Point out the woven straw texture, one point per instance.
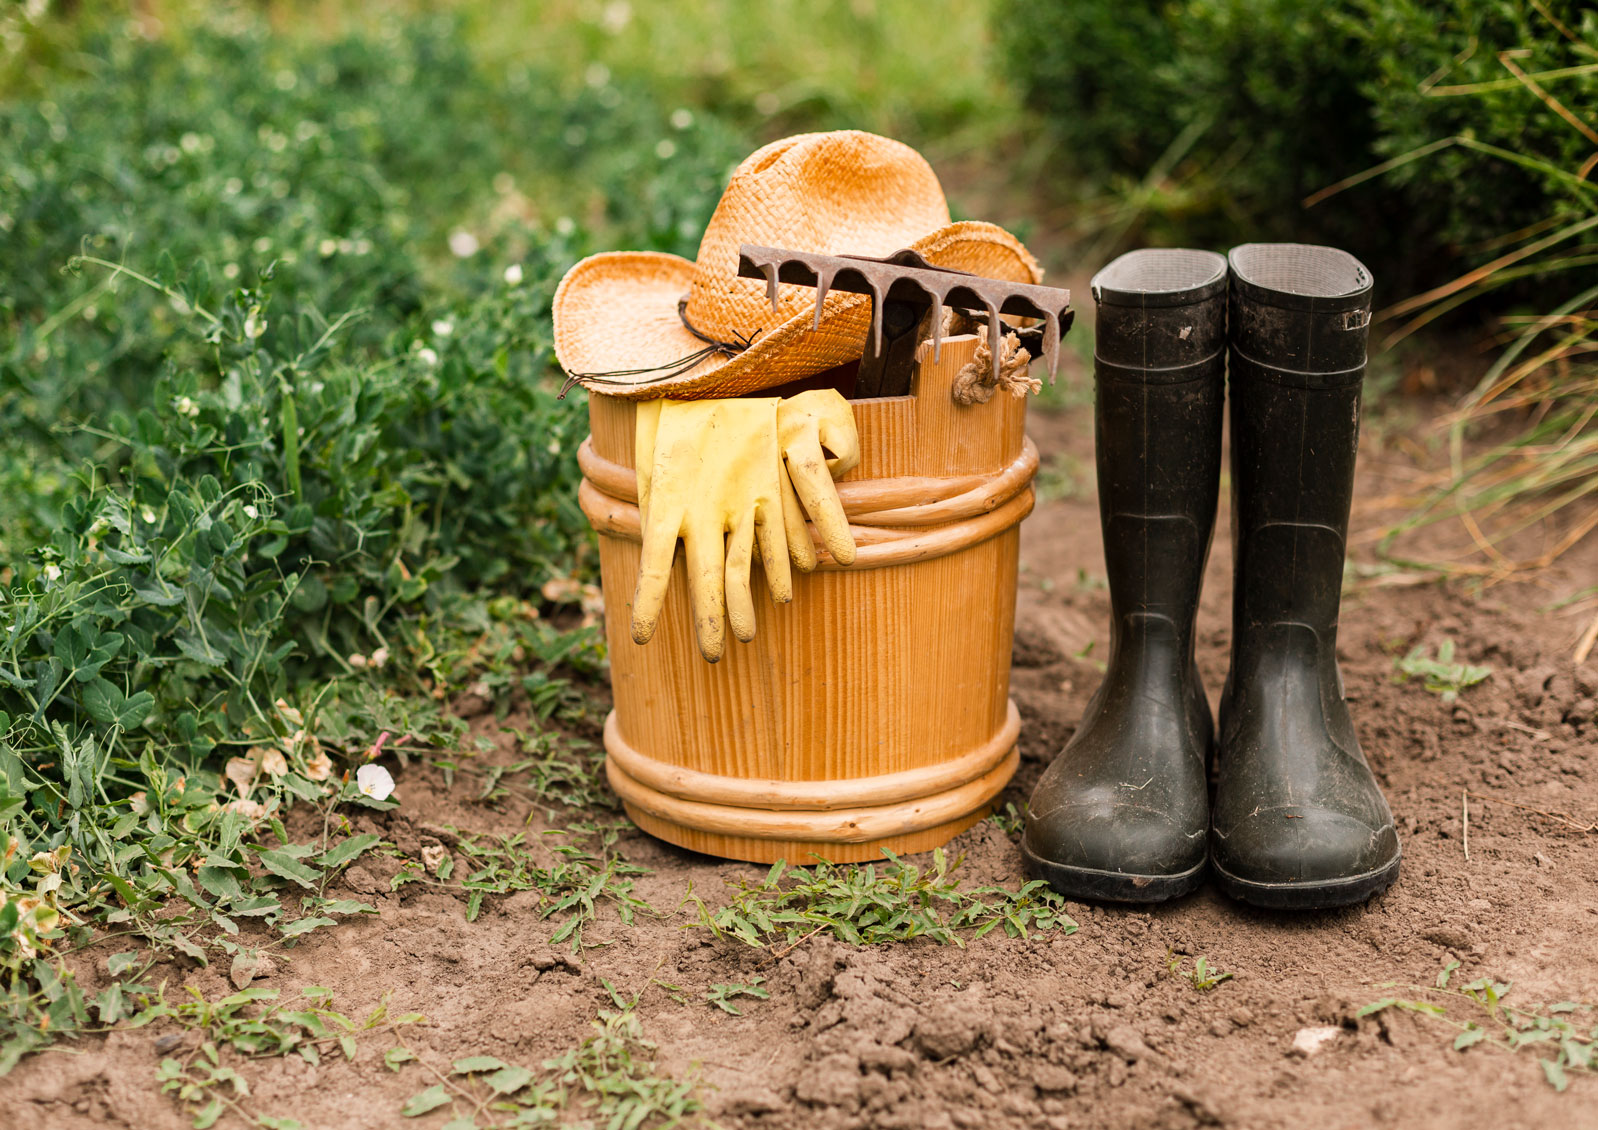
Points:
(843, 193)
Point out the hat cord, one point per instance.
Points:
(681, 365)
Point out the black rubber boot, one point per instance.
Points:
(1299, 820)
(1123, 811)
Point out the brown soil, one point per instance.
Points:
(1056, 1031)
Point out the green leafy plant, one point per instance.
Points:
(1567, 1031)
(868, 906)
(608, 1079)
(1442, 676)
(583, 873)
(1203, 975)
(249, 1025)
(1010, 820)
(721, 996)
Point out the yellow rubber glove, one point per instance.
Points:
(809, 426)
(710, 473)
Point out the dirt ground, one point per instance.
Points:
(1086, 1030)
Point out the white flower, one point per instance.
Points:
(428, 356)
(380, 657)
(462, 244)
(254, 324)
(187, 407)
(443, 328)
(682, 118)
(230, 271)
(565, 225)
(327, 247)
(513, 274)
(52, 572)
(374, 781)
(148, 515)
(665, 149)
(251, 512)
(356, 660)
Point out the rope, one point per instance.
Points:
(975, 382)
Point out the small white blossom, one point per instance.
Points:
(251, 512)
(357, 660)
(565, 225)
(262, 244)
(462, 244)
(374, 781)
(187, 407)
(665, 149)
(254, 324)
(682, 118)
(52, 572)
(327, 248)
(443, 328)
(428, 356)
(380, 657)
(513, 274)
(148, 515)
(230, 271)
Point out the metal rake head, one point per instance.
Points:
(906, 277)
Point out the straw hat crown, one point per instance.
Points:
(618, 326)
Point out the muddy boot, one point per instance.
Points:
(1122, 813)
(1299, 820)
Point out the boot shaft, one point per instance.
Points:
(1159, 366)
(1299, 321)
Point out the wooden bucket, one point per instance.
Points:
(872, 712)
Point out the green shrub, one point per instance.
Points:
(1254, 105)
(1440, 74)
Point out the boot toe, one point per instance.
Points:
(1126, 843)
(1305, 848)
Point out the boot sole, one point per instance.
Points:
(1309, 896)
(1112, 886)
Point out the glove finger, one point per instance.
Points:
(645, 428)
(740, 559)
(705, 551)
(771, 534)
(839, 436)
(801, 549)
(813, 483)
(654, 577)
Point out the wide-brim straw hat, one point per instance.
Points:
(630, 323)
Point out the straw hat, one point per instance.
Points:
(625, 321)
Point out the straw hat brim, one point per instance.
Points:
(618, 310)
